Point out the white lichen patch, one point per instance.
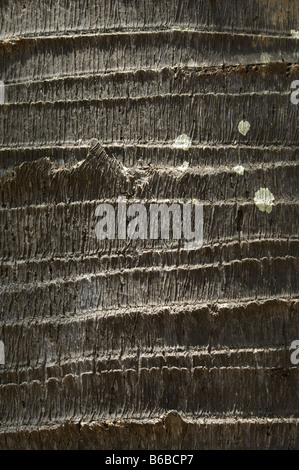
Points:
(183, 167)
(182, 142)
(294, 34)
(243, 127)
(264, 200)
(239, 169)
(182, 170)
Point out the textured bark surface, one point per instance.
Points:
(146, 346)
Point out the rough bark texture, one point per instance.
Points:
(146, 346)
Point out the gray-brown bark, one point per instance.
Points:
(146, 346)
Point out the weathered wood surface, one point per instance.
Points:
(147, 347)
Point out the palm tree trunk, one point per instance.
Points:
(123, 346)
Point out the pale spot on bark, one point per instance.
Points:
(239, 169)
(294, 33)
(183, 167)
(243, 127)
(182, 142)
(264, 200)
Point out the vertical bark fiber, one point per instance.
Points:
(119, 346)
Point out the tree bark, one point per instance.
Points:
(146, 346)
